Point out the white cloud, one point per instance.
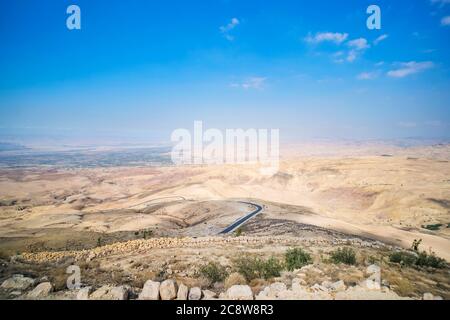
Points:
(410, 68)
(379, 64)
(380, 38)
(319, 37)
(227, 28)
(445, 21)
(251, 83)
(433, 123)
(367, 75)
(359, 44)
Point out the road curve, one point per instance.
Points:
(244, 219)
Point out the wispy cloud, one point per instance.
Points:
(380, 38)
(319, 37)
(367, 75)
(251, 83)
(227, 28)
(359, 44)
(410, 68)
(445, 21)
(356, 47)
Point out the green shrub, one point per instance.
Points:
(433, 227)
(344, 255)
(422, 259)
(238, 232)
(214, 272)
(255, 268)
(430, 260)
(271, 268)
(296, 259)
(404, 258)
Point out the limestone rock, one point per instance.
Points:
(150, 291)
(240, 292)
(42, 290)
(111, 293)
(183, 292)
(195, 293)
(168, 290)
(17, 282)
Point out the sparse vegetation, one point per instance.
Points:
(297, 258)
(256, 268)
(238, 232)
(417, 259)
(403, 258)
(433, 227)
(344, 255)
(214, 272)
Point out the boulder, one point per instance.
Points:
(111, 293)
(17, 282)
(150, 291)
(240, 292)
(42, 290)
(371, 284)
(338, 286)
(168, 290)
(195, 293)
(183, 292)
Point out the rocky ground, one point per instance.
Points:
(168, 268)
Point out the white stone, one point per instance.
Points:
(195, 293)
(168, 290)
(17, 282)
(240, 292)
(183, 292)
(42, 290)
(150, 291)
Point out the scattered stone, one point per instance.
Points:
(42, 290)
(111, 293)
(150, 291)
(430, 296)
(17, 282)
(195, 293)
(168, 290)
(240, 292)
(183, 292)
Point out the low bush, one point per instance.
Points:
(255, 268)
(296, 258)
(214, 272)
(417, 260)
(344, 255)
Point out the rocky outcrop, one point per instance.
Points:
(17, 282)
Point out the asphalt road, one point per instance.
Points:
(244, 219)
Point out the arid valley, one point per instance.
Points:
(124, 225)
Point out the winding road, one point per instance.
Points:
(244, 219)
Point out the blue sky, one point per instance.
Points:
(144, 68)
